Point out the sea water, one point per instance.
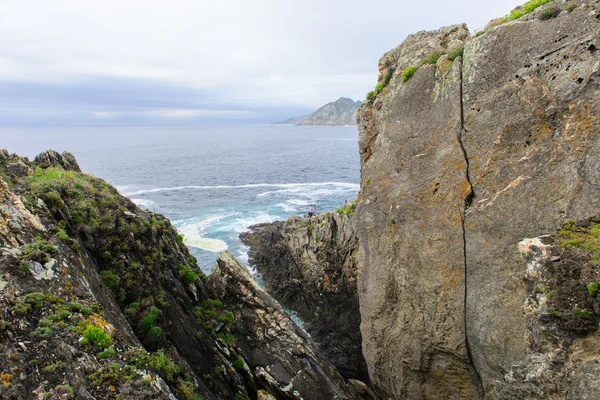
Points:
(213, 183)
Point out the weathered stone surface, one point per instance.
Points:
(441, 284)
(52, 158)
(411, 278)
(280, 355)
(309, 265)
(531, 92)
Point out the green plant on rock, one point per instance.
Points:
(42, 332)
(584, 237)
(148, 324)
(571, 7)
(108, 353)
(111, 280)
(549, 12)
(592, 289)
(433, 57)
(371, 95)
(458, 52)
(582, 313)
(408, 73)
(187, 275)
(97, 336)
(239, 362)
(378, 88)
(523, 10)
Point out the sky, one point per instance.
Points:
(188, 62)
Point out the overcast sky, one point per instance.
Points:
(105, 62)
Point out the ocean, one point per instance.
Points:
(212, 182)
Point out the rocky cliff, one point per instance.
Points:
(470, 145)
(100, 299)
(339, 112)
(309, 265)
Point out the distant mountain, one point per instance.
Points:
(339, 112)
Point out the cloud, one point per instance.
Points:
(254, 59)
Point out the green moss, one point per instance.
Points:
(571, 7)
(553, 312)
(408, 73)
(480, 33)
(592, 289)
(525, 9)
(62, 235)
(583, 237)
(52, 367)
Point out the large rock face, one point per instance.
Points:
(309, 265)
(460, 163)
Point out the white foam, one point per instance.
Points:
(291, 186)
(286, 207)
(314, 192)
(144, 203)
(243, 223)
(208, 244)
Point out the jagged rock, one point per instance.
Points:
(130, 278)
(293, 365)
(441, 280)
(309, 265)
(53, 158)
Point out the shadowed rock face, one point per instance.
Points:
(309, 265)
(459, 164)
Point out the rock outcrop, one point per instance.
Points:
(339, 112)
(100, 299)
(309, 265)
(462, 160)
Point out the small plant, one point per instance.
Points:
(108, 353)
(239, 362)
(187, 275)
(433, 57)
(149, 320)
(554, 313)
(571, 7)
(111, 280)
(52, 367)
(63, 392)
(368, 181)
(179, 238)
(370, 95)
(525, 9)
(480, 33)
(378, 88)
(592, 289)
(458, 52)
(62, 235)
(96, 336)
(582, 313)
(549, 12)
(408, 73)
(25, 268)
(42, 332)
(387, 78)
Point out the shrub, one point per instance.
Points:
(408, 73)
(109, 278)
(96, 336)
(458, 52)
(179, 238)
(433, 57)
(187, 275)
(108, 353)
(149, 320)
(62, 235)
(387, 78)
(378, 88)
(371, 95)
